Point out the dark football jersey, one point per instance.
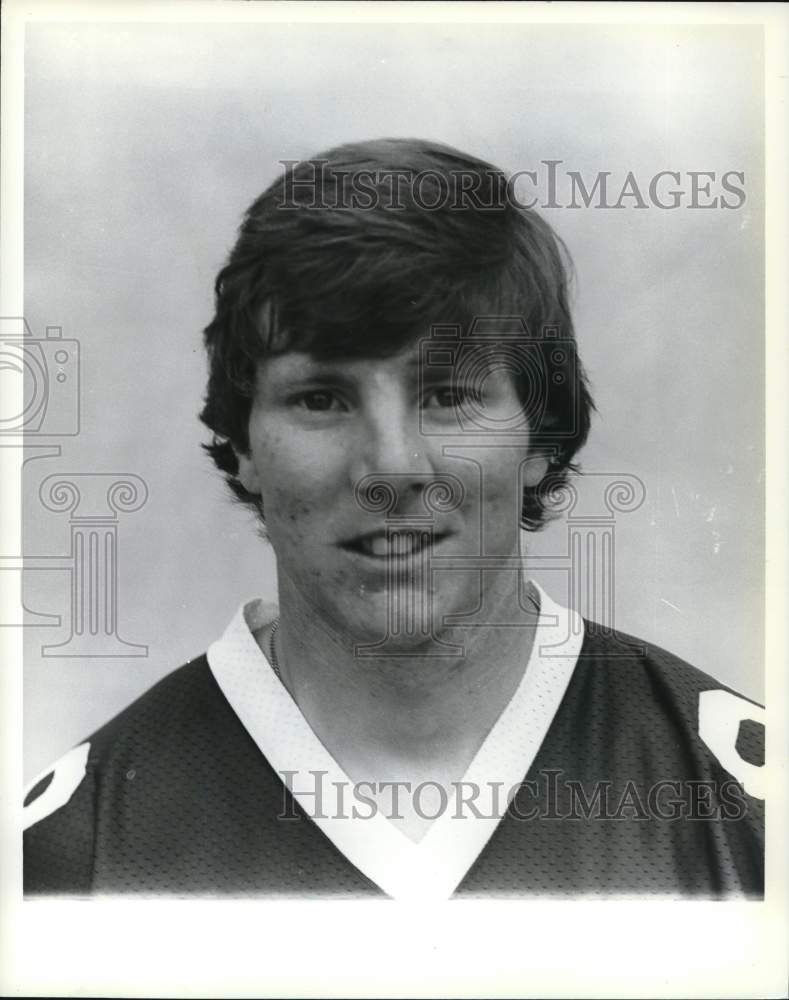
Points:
(647, 782)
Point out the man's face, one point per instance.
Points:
(320, 429)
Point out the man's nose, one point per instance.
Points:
(394, 448)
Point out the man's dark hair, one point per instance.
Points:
(365, 249)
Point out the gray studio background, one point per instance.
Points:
(144, 144)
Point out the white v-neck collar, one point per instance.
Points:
(432, 868)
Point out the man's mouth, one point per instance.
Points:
(394, 544)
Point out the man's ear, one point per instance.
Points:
(535, 469)
(247, 473)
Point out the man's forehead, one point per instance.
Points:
(304, 362)
(424, 354)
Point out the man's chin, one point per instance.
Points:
(395, 624)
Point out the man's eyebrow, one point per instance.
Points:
(439, 373)
(316, 375)
(428, 369)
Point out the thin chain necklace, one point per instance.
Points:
(272, 651)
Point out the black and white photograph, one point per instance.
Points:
(389, 478)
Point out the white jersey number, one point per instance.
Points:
(67, 773)
(720, 715)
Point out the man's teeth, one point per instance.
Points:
(395, 545)
(380, 546)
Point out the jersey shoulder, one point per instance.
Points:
(164, 727)
(177, 708)
(628, 658)
(666, 698)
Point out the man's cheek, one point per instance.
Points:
(289, 519)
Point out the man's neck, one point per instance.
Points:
(408, 717)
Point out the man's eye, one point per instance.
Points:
(450, 396)
(319, 401)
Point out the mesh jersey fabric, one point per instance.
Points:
(430, 868)
(623, 797)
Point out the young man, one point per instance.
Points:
(395, 389)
